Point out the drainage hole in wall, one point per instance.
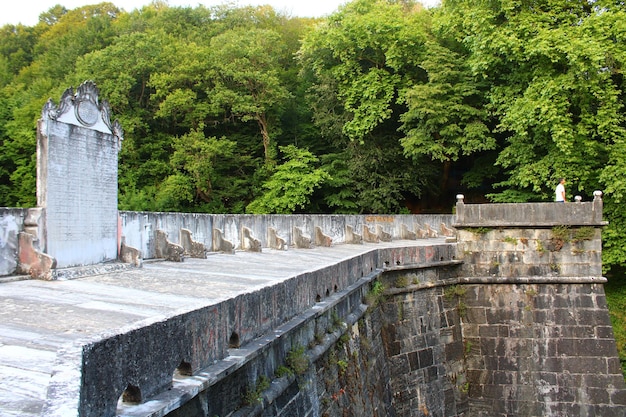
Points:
(233, 342)
(131, 395)
(183, 370)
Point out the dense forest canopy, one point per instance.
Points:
(382, 107)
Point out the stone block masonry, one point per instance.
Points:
(506, 316)
(422, 338)
(549, 240)
(559, 251)
(340, 357)
(541, 350)
(535, 325)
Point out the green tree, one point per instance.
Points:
(365, 55)
(208, 176)
(556, 89)
(550, 67)
(361, 62)
(446, 117)
(16, 49)
(290, 187)
(247, 86)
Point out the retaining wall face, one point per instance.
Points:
(349, 378)
(352, 378)
(541, 350)
(146, 357)
(528, 252)
(386, 360)
(424, 347)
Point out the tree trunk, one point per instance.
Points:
(262, 121)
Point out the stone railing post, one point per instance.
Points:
(460, 208)
(597, 206)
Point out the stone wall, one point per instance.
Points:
(509, 253)
(541, 350)
(139, 228)
(512, 242)
(387, 346)
(422, 336)
(520, 329)
(535, 324)
(11, 224)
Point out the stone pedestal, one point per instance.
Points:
(77, 151)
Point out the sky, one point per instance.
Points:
(27, 11)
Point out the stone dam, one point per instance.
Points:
(506, 316)
(496, 310)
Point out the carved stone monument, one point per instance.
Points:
(77, 151)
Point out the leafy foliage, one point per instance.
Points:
(365, 55)
(383, 106)
(290, 187)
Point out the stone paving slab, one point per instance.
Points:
(37, 318)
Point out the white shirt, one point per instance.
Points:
(560, 190)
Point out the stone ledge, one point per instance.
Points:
(185, 388)
(90, 270)
(533, 280)
(529, 214)
(499, 224)
(485, 280)
(78, 271)
(451, 262)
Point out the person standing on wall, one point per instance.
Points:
(559, 193)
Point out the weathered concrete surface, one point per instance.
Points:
(44, 323)
(138, 227)
(11, 224)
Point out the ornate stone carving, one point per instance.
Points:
(321, 239)
(301, 240)
(86, 106)
(87, 111)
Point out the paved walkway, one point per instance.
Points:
(37, 318)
